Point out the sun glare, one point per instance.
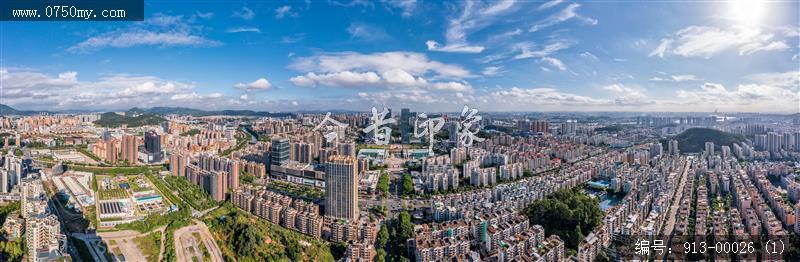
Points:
(747, 11)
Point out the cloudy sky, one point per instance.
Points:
(426, 55)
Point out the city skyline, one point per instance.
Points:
(732, 56)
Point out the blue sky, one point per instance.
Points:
(427, 55)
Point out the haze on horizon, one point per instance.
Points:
(734, 56)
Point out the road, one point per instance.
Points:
(676, 200)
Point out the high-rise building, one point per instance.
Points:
(787, 142)
(280, 151)
(540, 126)
(130, 146)
(218, 184)
(797, 143)
(672, 147)
(345, 148)
(43, 237)
(341, 188)
(570, 127)
(405, 127)
(152, 143)
(301, 152)
(761, 142)
(656, 149)
(112, 150)
(773, 142)
(177, 164)
(4, 188)
(709, 148)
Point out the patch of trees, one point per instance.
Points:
(571, 214)
(390, 244)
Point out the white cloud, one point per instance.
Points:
(526, 50)
(35, 90)
(788, 79)
(474, 16)
(549, 4)
(491, 70)
(565, 14)
(207, 15)
(159, 30)
(243, 30)
(284, 11)
(291, 39)
(554, 62)
(245, 13)
(259, 84)
(708, 41)
(413, 63)
(392, 69)
(517, 98)
(676, 78)
(589, 55)
(745, 98)
(338, 79)
(406, 6)
(453, 48)
(392, 79)
(662, 48)
(358, 30)
(628, 96)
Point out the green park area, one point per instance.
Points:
(190, 193)
(571, 214)
(249, 238)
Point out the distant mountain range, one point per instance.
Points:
(198, 112)
(7, 110)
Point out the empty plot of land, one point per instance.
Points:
(195, 241)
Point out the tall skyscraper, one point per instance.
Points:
(405, 126)
(177, 164)
(540, 126)
(112, 150)
(709, 148)
(152, 143)
(346, 148)
(130, 148)
(301, 152)
(570, 127)
(341, 188)
(672, 147)
(279, 153)
(773, 142)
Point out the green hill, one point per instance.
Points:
(694, 140)
(114, 120)
(7, 110)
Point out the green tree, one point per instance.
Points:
(567, 213)
(383, 237)
(246, 241)
(408, 185)
(380, 255)
(383, 184)
(338, 249)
